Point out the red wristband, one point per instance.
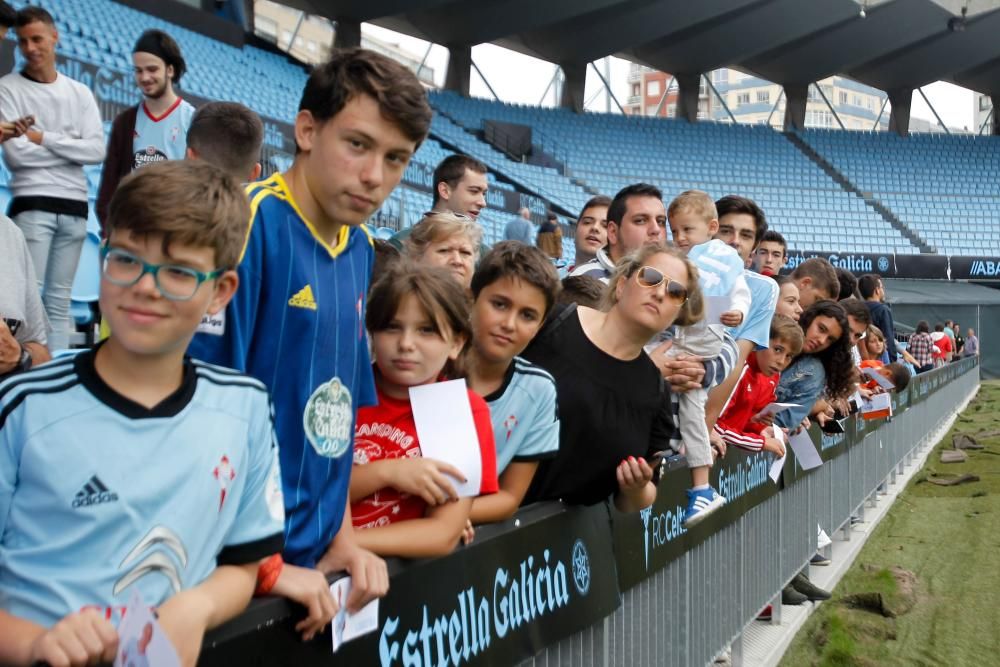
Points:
(268, 573)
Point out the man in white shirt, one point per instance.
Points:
(48, 184)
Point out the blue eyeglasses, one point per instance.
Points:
(177, 283)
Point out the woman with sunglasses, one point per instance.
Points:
(613, 403)
(446, 240)
(823, 366)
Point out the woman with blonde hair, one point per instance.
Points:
(446, 240)
(873, 345)
(613, 403)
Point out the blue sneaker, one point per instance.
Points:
(701, 503)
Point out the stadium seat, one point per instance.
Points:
(87, 281)
(931, 183)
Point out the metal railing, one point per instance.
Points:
(699, 603)
(590, 586)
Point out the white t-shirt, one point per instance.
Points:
(72, 135)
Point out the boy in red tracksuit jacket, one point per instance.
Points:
(756, 388)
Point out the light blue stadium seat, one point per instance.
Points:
(87, 281)
(924, 180)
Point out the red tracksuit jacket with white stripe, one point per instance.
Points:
(753, 392)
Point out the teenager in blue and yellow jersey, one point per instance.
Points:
(297, 321)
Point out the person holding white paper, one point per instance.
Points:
(132, 451)
(401, 503)
(613, 402)
(738, 424)
(693, 223)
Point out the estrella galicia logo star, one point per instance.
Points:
(883, 264)
(644, 514)
(581, 567)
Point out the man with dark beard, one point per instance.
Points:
(156, 129)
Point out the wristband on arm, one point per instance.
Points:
(268, 573)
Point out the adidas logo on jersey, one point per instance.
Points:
(94, 493)
(303, 298)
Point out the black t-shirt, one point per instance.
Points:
(608, 410)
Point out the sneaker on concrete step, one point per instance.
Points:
(807, 588)
(819, 559)
(791, 596)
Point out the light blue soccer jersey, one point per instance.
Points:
(159, 138)
(525, 415)
(756, 327)
(100, 496)
(296, 324)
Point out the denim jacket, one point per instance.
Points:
(801, 383)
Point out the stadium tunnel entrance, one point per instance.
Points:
(970, 305)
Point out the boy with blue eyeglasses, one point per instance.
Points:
(130, 467)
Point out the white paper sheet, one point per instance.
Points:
(446, 431)
(141, 640)
(346, 626)
(715, 306)
(881, 381)
(805, 450)
(778, 465)
(774, 408)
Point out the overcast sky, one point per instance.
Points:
(519, 78)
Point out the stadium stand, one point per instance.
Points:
(102, 33)
(938, 187)
(820, 203)
(944, 188)
(801, 200)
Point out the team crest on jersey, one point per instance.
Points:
(327, 419)
(509, 425)
(224, 474)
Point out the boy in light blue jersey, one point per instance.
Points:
(129, 467)
(514, 288)
(693, 222)
(297, 321)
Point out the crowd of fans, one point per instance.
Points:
(249, 404)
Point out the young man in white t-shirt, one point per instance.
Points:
(62, 132)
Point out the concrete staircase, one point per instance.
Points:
(848, 186)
